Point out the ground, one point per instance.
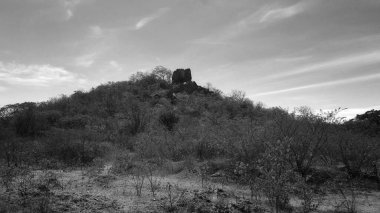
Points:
(92, 190)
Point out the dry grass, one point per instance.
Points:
(81, 191)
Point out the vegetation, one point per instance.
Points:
(147, 127)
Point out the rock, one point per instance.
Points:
(181, 76)
(188, 87)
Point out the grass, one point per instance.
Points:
(81, 191)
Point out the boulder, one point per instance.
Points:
(181, 76)
(188, 87)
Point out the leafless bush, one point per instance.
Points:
(174, 195)
(122, 164)
(154, 181)
(49, 180)
(203, 173)
(347, 191)
(276, 175)
(96, 167)
(310, 200)
(138, 178)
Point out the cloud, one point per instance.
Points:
(282, 13)
(347, 61)
(86, 60)
(36, 75)
(115, 65)
(324, 84)
(69, 6)
(96, 32)
(255, 21)
(146, 20)
(291, 59)
(98, 42)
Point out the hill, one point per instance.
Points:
(165, 120)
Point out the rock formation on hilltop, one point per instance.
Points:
(181, 76)
(181, 82)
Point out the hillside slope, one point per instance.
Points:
(150, 125)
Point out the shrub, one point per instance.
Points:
(8, 174)
(138, 178)
(276, 174)
(123, 163)
(138, 118)
(154, 181)
(168, 120)
(310, 200)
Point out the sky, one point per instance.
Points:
(324, 54)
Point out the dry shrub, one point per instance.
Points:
(123, 163)
(346, 188)
(175, 197)
(104, 180)
(138, 178)
(154, 181)
(7, 176)
(310, 199)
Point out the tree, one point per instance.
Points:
(276, 174)
(307, 133)
(356, 151)
(162, 73)
(138, 118)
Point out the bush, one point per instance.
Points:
(310, 201)
(124, 162)
(72, 147)
(276, 174)
(168, 119)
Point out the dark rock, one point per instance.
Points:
(188, 87)
(181, 76)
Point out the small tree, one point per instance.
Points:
(307, 134)
(138, 118)
(162, 73)
(154, 182)
(276, 174)
(138, 178)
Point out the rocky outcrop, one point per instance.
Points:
(181, 82)
(181, 76)
(188, 87)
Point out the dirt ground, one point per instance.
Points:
(84, 191)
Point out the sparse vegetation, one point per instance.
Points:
(140, 133)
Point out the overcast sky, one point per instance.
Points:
(320, 53)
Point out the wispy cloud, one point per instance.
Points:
(86, 60)
(36, 75)
(270, 13)
(323, 84)
(347, 61)
(146, 20)
(282, 13)
(256, 20)
(115, 65)
(69, 6)
(96, 32)
(291, 59)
